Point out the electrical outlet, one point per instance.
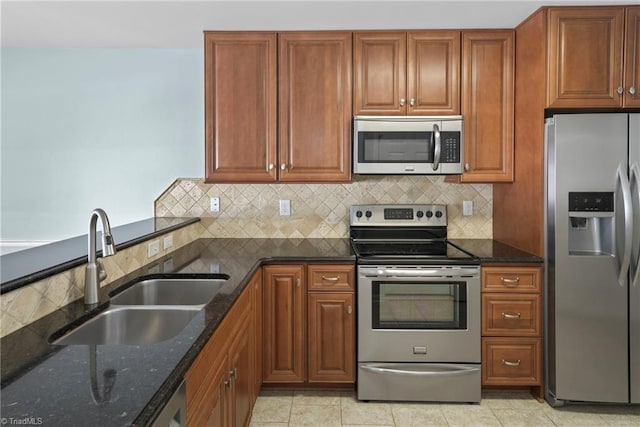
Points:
(467, 207)
(167, 265)
(215, 204)
(154, 269)
(167, 242)
(214, 268)
(153, 248)
(285, 207)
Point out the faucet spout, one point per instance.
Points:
(95, 271)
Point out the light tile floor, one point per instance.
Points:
(276, 408)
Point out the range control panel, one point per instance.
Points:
(398, 215)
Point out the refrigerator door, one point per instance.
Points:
(588, 351)
(634, 288)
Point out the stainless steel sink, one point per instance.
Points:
(173, 291)
(131, 325)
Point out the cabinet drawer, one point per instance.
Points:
(512, 279)
(511, 361)
(511, 314)
(331, 277)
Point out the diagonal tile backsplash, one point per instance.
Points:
(320, 210)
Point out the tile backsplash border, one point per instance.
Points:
(320, 210)
(27, 304)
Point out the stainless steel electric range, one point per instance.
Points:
(418, 306)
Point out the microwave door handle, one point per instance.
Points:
(437, 149)
(635, 179)
(623, 188)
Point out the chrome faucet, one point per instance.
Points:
(95, 272)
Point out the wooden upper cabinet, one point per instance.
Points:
(585, 56)
(314, 84)
(240, 106)
(400, 73)
(632, 58)
(594, 56)
(488, 105)
(433, 72)
(380, 61)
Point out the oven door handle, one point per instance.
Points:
(451, 370)
(433, 272)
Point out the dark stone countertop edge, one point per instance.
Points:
(27, 279)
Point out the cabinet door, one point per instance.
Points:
(284, 324)
(210, 409)
(585, 56)
(380, 73)
(241, 375)
(256, 283)
(314, 86)
(240, 107)
(433, 72)
(331, 337)
(487, 105)
(632, 58)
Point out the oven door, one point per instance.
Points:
(419, 314)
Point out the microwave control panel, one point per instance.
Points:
(450, 142)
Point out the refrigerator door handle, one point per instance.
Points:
(635, 180)
(622, 185)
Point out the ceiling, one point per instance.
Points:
(179, 24)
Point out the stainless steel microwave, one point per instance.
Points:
(404, 145)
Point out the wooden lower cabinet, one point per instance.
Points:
(511, 361)
(309, 338)
(220, 381)
(284, 324)
(331, 337)
(512, 326)
(256, 285)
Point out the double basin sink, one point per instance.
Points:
(147, 311)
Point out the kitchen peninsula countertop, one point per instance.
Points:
(64, 385)
(27, 266)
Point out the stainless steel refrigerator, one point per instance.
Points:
(592, 251)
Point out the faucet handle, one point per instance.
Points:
(102, 273)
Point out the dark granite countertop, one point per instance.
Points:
(64, 385)
(492, 251)
(60, 385)
(27, 266)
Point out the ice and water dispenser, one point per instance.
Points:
(591, 223)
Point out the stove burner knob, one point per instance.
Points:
(429, 214)
(359, 214)
(420, 214)
(438, 214)
(368, 214)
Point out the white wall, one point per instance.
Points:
(86, 128)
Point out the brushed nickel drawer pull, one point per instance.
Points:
(516, 280)
(349, 310)
(511, 316)
(330, 279)
(506, 362)
(298, 283)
